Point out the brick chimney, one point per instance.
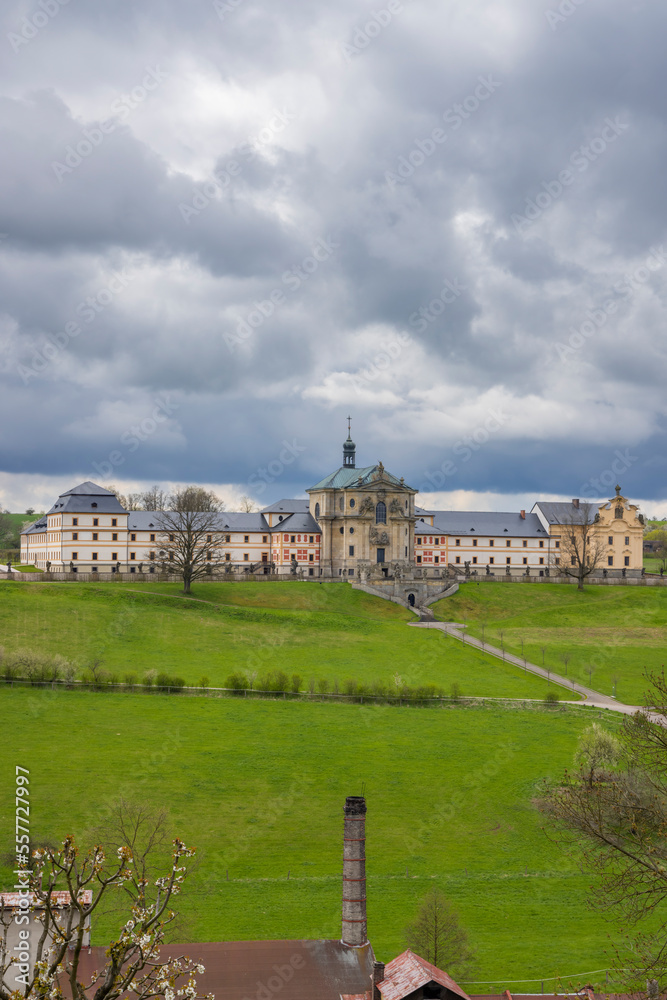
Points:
(523, 515)
(354, 872)
(377, 977)
(575, 503)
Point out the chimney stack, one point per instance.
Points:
(523, 515)
(377, 977)
(354, 872)
(575, 503)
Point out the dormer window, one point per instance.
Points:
(93, 504)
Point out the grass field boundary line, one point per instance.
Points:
(402, 877)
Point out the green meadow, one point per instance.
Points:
(605, 637)
(317, 631)
(258, 787)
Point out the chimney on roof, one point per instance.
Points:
(575, 503)
(523, 515)
(377, 977)
(354, 872)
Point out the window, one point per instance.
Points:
(114, 522)
(508, 560)
(458, 541)
(627, 539)
(491, 560)
(317, 512)
(541, 560)
(618, 512)
(93, 504)
(458, 559)
(95, 533)
(437, 559)
(75, 520)
(419, 559)
(474, 559)
(525, 544)
(610, 539)
(114, 537)
(508, 543)
(292, 539)
(265, 539)
(228, 538)
(419, 541)
(353, 503)
(573, 560)
(133, 537)
(491, 543)
(246, 538)
(228, 557)
(311, 539)
(152, 537)
(541, 544)
(626, 561)
(351, 549)
(474, 543)
(75, 555)
(96, 522)
(75, 536)
(311, 557)
(209, 556)
(381, 513)
(209, 538)
(557, 561)
(436, 541)
(133, 555)
(171, 538)
(114, 556)
(151, 556)
(610, 560)
(246, 557)
(94, 569)
(557, 544)
(525, 561)
(94, 556)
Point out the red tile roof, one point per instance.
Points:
(408, 972)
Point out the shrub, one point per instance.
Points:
(204, 682)
(129, 680)
(455, 691)
(297, 683)
(311, 685)
(163, 681)
(282, 681)
(551, 697)
(236, 681)
(149, 677)
(323, 685)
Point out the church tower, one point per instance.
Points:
(349, 448)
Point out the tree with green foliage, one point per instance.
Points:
(597, 749)
(436, 934)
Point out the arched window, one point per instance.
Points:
(317, 512)
(341, 504)
(619, 512)
(381, 513)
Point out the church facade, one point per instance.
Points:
(362, 523)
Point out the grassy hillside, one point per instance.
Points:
(617, 632)
(258, 787)
(321, 631)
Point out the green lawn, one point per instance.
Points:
(616, 632)
(320, 631)
(259, 786)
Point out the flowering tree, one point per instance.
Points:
(65, 890)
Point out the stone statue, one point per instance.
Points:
(395, 506)
(367, 506)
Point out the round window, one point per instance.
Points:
(352, 503)
(351, 531)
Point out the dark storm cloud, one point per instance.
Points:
(423, 150)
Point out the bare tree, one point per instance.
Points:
(133, 964)
(616, 816)
(122, 499)
(581, 544)
(155, 498)
(436, 934)
(247, 505)
(190, 536)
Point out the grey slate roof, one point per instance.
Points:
(88, 489)
(298, 522)
(287, 507)
(343, 478)
(566, 513)
(482, 523)
(147, 520)
(36, 527)
(82, 503)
